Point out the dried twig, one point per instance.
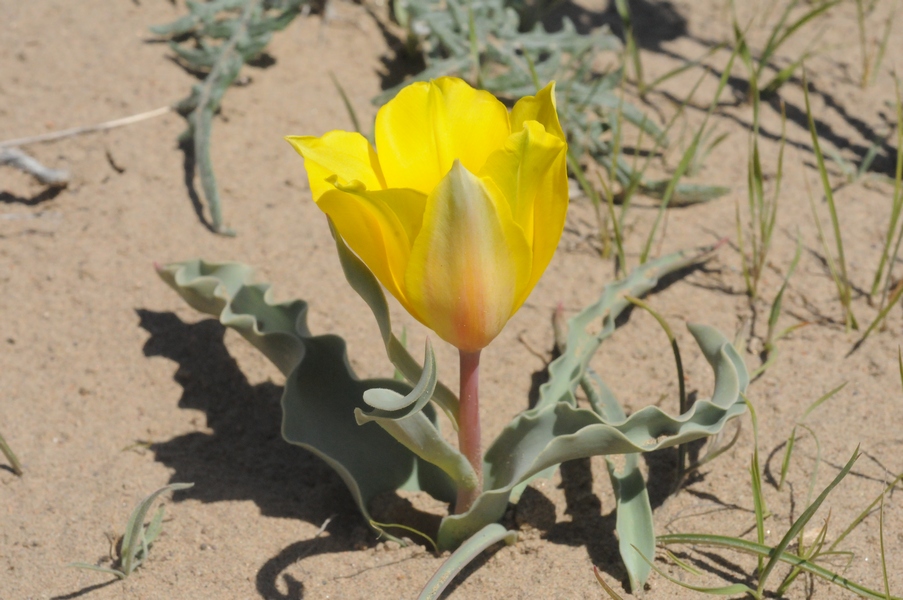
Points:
(57, 135)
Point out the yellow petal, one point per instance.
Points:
(521, 168)
(427, 126)
(469, 264)
(540, 107)
(549, 212)
(402, 206)
(377, 226)
(344, 154)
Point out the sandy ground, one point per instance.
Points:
(110, 387)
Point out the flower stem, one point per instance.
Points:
(469, 427)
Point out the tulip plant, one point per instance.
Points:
(458, 215)
(456, 212)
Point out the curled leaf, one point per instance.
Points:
(321, 390)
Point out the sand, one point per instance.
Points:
(111, 387)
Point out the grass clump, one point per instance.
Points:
(838, 267)
(807, 558)
(872, 57)
(783, 30)
(763, 208)
(135, 543)
(889, 289)
(801, 554)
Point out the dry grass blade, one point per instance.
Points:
(686, 159)
(869, 69)
(882, 46)
(755, 471)
(785, 462)
(841, 276)
(716, 449)
(822, 399)
(349, 108)
(802, 521)
(608, 589)
(900, 363)
(865, 513)
(10, 456)
(755, 549)
(773, 336)
(681, 383)
(780, 33)
(381, 527)
(813, 477)
(883, 556)
(636, 181)
(882, 314)
(863, 42)
(891, 294)
(897, 202)
(632, 49)
(727, 590)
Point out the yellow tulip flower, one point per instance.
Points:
(460, 207)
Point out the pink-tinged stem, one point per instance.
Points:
(469, 426)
